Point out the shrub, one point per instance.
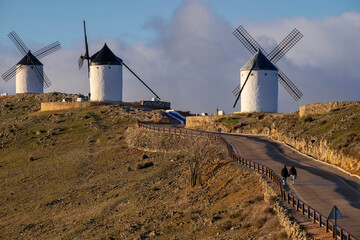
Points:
(144, 165)
(226, 225)
(308, 119)
(155, 188)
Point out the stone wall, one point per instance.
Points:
(321, 108)
(200, 122)
(51, 106)
(156, 104)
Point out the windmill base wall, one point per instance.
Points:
(260, 93)
(106, 83)
(29, 82)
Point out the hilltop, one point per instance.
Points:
(90, 173)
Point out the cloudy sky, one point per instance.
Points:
(185, 50)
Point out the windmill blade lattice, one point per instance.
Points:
(11, 72)
(236, 90)
(40, 75)
(18, 43)
(47, 50)
(275, 55)
(283, 47)
(289, 86)
(248, 41)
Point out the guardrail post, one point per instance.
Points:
(288, 198)
(319, 220)
(293, 201)
(297, 205)
(314, 215)
(284, 195)
(327, 225)
(308, 212)
(303, 209)
(341, 234)
(334, 231)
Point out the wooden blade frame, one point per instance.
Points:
(275, 55)
(38, 54)
(141, 80)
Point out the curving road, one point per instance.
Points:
(318, 184)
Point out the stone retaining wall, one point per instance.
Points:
(156, 104)
(201, 121)
(51, 106)
(321, 108)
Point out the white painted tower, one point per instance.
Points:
(105, 76)
(29, 79)
(260, 93)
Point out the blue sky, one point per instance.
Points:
(44, 20)
(185, 50)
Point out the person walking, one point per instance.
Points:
(292, 173)
(284, 174)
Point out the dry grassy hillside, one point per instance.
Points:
(88, 174)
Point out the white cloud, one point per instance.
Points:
(194, 60)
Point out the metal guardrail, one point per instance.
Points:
(297, 204)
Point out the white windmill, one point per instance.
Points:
(30, 77)
(260, 75)
(105, 74)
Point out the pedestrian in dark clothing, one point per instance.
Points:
(284, 175)
(293, 174)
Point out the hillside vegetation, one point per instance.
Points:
(333, 137)
(89, 173)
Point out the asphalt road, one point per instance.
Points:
(318, 184)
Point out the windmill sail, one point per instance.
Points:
(31, 59)
(274, 56)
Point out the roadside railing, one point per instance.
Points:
(299, 205)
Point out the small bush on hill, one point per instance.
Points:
(144, 165)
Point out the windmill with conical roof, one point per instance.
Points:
(259, 77)
(105, 74)
(29, 74)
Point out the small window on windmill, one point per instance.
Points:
(32, 67)
(97, 67)
(265, 74)
(109, 67)
(252, 74)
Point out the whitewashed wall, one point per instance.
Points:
(106, 82)
(260, 93)
(28, 82)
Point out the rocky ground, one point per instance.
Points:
(88, 173)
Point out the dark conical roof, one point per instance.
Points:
(259, 62)
(29, 59)
(105, 57)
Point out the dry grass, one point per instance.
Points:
(83, 183)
